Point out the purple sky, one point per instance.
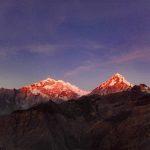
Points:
(80, 41)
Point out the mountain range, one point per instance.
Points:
(58, 91)
(61, 90)
(118, 121)
(55, 115)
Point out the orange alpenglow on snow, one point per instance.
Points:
(116, 83)
(54, 89)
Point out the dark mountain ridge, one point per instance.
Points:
(16, 99)
(119, 121)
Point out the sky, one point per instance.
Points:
(80, 41)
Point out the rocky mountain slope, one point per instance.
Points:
(116, 83)
(13, 99)
(119, 121)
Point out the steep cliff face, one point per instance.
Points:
(116, 83)
(119, 121)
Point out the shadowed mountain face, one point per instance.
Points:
(119, 121)
(12, 99)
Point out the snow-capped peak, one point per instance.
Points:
(117, 78)
(54, 89)
(115, 83)
(118, 75)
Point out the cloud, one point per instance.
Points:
(79, 69)
(131, 56)
(87, 47)
(34, 48)
(42, 49)
(120, 59)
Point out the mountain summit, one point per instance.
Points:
(116, 83)
(54, 90)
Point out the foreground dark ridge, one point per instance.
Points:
(119, 121)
